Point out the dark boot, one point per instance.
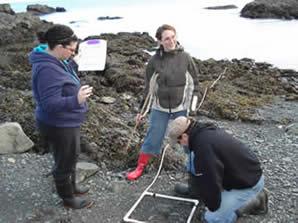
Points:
(262, 208)
(256, 206)
(182, 189)
(65, 191)
(78, 190)
(142, 163)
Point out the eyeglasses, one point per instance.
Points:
(70, 49)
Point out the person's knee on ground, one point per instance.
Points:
(182, 189)
(143, 161)
(189, 189)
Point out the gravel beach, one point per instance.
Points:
(28, 195)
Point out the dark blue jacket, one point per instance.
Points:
(221, 162)
(55, 87)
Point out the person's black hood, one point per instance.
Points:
(199, 127)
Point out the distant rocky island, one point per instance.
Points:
(222, 7)
(109, 17)
(271, 9)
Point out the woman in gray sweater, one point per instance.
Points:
(172, 79)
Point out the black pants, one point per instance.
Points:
(65, 144)
(194, 183)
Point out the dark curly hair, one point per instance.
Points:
(57, 34)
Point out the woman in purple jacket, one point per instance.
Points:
(60, 108)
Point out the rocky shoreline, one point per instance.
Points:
(257, 102)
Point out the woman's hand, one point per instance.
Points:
(139, 118)
(84, 93)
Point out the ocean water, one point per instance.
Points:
(218, 34)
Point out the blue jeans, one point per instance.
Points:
(231, 201)
(158, 123)
(190, 167)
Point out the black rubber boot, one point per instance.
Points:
(77, 203)
(256, 206)
(65, 191)
(78, 190)
(182, 189)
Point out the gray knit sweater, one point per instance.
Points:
(173, 78)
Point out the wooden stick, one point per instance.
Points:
(210, 87)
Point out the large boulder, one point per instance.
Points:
(38, 9)
(13, 139)
(276, 9)
(20, 28)
(85, 170)
(5, 8)
(60, 9)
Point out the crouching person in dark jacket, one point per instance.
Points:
(224, 173)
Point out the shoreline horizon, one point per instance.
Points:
(221, 35)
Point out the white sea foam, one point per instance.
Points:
(218, 34)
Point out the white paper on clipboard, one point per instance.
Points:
(92, 55)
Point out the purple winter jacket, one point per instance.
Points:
(55, 87)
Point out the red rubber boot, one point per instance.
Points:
(142, 163)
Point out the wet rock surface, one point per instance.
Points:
(18, 28)
(38, 9)
(255, 101)
(273, 9)
(5, 8)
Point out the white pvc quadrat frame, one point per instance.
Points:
(148, 193)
